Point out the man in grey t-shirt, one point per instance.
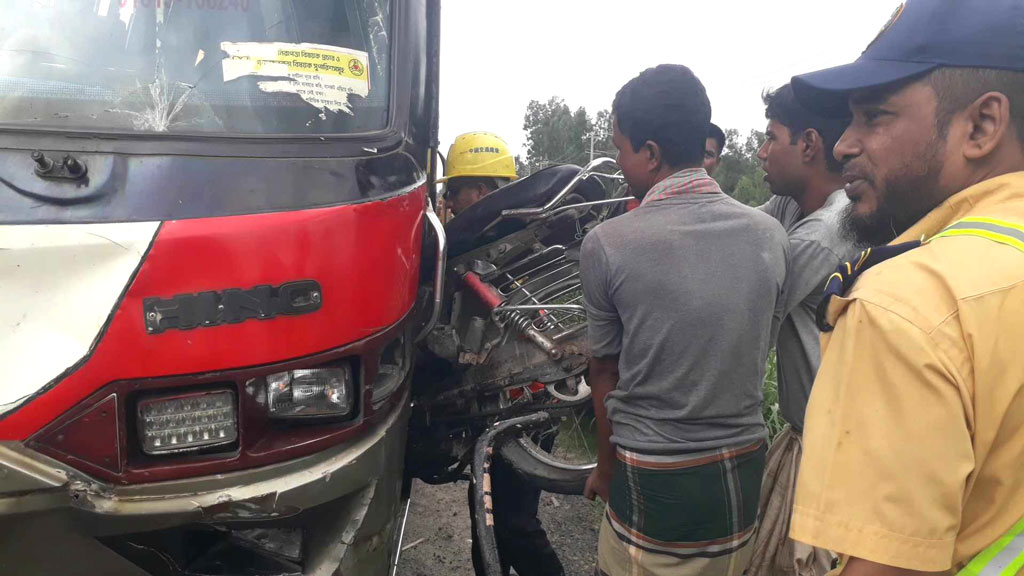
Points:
(807, 183)
(680, 296)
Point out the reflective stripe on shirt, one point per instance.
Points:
(1000, 231)
(1005, 557)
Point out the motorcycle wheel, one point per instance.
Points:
(564, 468)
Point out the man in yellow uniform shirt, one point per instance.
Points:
(914, 439)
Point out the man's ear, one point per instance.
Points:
(988, 121)
(653, 153)
(481, 190)
(811, 145)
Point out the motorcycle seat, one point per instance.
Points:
(466, 231)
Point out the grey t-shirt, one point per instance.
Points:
(684, 290)
(816, 247)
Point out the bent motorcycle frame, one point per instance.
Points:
(335, 233)
(524, 284)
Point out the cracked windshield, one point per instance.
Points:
(231, 67)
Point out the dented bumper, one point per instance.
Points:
(331, 512)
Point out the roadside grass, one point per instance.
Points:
(770, 404)
(577, 439)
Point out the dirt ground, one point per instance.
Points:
(438, 531)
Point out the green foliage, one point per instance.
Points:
(522, 169)
(739, 173)
(770, 405)
(602, 125)
(557, 135)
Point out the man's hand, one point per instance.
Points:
(603, 377)
(597, 485)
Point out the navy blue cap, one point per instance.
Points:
(923, 35)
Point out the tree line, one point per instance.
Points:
(556, 134)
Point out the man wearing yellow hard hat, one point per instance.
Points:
(478, 163)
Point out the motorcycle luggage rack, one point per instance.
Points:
(549, 293)
(514, 266)
(549, 317)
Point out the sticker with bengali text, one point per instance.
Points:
(324, 76)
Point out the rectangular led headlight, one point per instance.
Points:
(189, 422)
(317, 392)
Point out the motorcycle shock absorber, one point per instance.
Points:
(523, 324)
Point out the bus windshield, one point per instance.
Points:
(210, 67)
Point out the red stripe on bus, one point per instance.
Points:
(365, 257)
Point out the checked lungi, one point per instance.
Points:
(681, 514)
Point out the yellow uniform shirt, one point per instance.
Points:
(914, 438)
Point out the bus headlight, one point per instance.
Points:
(393, 367)
(188, 422)
(316, 392)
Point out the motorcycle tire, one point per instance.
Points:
(548, 476)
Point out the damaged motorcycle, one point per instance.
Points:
(513, 337)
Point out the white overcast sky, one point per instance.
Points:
(496, 56)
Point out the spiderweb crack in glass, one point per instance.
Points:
(158, 67)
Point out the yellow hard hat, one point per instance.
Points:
(479, 154)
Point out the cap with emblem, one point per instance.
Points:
(923, 35)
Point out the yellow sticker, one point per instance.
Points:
(311, 60)
(322, 75)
